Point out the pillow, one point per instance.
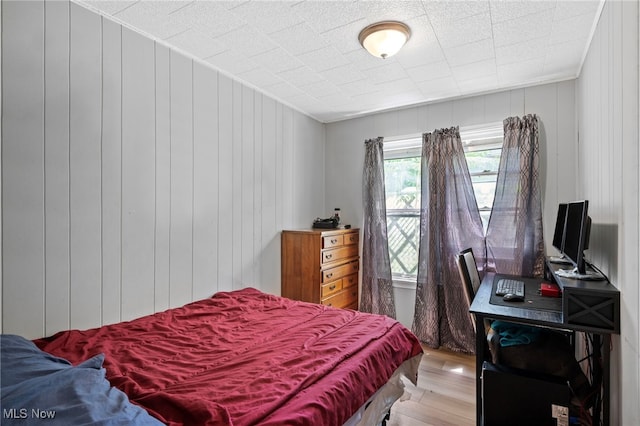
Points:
(37, 385)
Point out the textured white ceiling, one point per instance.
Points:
(306, 53)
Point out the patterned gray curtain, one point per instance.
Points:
(377, 286)
(514, 235)
(449, 222)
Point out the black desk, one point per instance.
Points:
(521, 312)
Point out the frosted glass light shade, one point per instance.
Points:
(384, 39)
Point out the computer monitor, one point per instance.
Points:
(586, 239)
(558, 234)
(576, 233)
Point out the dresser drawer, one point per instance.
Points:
(331, 288)
(353, 306)
(350, 281)
(333, 274)
(332, 241)
(344, 299)
(345, 252)
(351, 238)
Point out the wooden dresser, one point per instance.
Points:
(321, 266)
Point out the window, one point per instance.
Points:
(402, 193)
(482, 145)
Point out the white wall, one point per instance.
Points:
(607, 174)
(135, 179)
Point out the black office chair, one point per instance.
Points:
(469, 275)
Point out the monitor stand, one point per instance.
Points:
(561, 260)
(573, 274)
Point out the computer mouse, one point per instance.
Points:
(510, 297)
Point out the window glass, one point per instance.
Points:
(483, 159)
(402, 192)
(483, 168)
(402, 183)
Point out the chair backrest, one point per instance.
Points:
(472, 269)
(469, 275)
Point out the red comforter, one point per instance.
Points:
(246, 358)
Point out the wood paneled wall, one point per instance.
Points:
(609, 177)
(134, 178)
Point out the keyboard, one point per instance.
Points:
(506, 286)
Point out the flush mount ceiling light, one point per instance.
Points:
(384, 39)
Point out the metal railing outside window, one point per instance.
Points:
(403, 233)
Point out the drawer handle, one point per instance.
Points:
(329, 304)
(355, 267)
(332, 287)
(352, 239)
(330, 275)
(334, 241)
(328, 256)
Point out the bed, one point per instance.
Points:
(238, 358)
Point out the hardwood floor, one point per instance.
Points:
(445, 394)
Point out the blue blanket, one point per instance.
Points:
(39, 387)
(515, 334)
